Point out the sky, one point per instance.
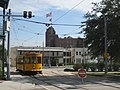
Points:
(25, 33)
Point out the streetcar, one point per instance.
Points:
(29, 63)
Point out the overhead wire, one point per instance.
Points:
(47, 24)
(69, 11)
(29, 38)
(22, 29)
(27, 30)
(14, 31)
(72, 32)
(16, 36)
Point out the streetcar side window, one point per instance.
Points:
(34, 59)
(20, 60)
(39, 59)
(27, 60)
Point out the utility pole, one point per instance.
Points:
(83, 51)
(4, 5)
(28, 15)
(8, 46)
(3, 44)
(105, 54)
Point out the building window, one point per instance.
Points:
(53, 53)
(64, 54)
(79, 53)
(76, 53)
(57, 54)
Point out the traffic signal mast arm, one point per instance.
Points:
(25, 15)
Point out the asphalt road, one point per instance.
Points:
(56, 79)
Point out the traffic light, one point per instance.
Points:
(29, 14)
(25, 14)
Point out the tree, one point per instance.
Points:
(94, 28)
(1, 53)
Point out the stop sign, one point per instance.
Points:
(82, 73)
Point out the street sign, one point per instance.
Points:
(4, 2)
(82, 73)
(106, 55)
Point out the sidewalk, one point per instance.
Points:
(18, 82)
(17, 85)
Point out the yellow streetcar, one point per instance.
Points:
(29, 63)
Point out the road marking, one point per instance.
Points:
(44, 87)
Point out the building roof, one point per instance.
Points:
(51, 30)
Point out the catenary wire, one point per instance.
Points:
(68, 11)
(27, 29)
(46, 23)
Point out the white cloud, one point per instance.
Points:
(42, 6)
(84, 5)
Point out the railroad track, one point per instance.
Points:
(54, 80)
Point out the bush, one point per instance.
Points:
(86, 66)
(77, 66)
(100, 65)
(93, 66)
(116, 66)
(0, 70)
(60, 64)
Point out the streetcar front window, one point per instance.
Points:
(34, 60)
(39, 59)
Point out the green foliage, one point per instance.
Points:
(0, 69)
(94, 28)
(100, 65)
(0, 52)
(60, 64)
(5, 52)
(93, 66)
(86, 66)
(116, 66)
(77, 66)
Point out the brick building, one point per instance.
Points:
(53, 40)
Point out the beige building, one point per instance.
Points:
(53, 56)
